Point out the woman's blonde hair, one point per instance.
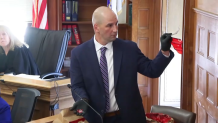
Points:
(13, 39)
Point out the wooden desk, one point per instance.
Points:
(44, 120)
(47, 89)
(65, 116)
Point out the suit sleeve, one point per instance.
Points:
(152, 68)
(76, 76)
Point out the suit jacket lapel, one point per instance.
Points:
(117, 54)
(93, 59)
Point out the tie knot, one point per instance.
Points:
(103, 49)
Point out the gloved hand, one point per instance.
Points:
(166, 40)
(80, 107)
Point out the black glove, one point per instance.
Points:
(166, 40)
(80, 107)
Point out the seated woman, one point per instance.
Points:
(15, 57)
(5, 113)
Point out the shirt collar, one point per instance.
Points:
(98, 46)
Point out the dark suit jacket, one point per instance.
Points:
(86, 78)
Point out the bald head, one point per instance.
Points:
(102, 13)
(105, 25)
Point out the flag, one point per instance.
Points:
(120, 4)
(116, 5)
(39, 12)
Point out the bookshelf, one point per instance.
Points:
(85, 10)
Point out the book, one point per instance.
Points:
(68, 10)
(64, 27)
(76, 34)
(69, 27)
(73, 37)
(130, 14)
(74, 13)
(63, 10)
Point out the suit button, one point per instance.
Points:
(102, 111)
(103, 96)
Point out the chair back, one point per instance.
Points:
(179, 115)
(48, 48)
(24, 104)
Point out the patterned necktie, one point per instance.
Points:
(104, 72)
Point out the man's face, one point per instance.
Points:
(108, 28)
(4, 39)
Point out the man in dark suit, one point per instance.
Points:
(104, 72)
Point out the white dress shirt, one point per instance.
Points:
(110, 65)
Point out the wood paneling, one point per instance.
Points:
(200, 82)
(205, 65)
(200, 68)
(52, 14)
(201, 41)
(207, 5)
(211, 46)
(155, 50)
(143, 44)
(146, 33)
(187, 57)
(201, 115)
(143, 19)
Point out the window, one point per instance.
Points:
(170, 80)
(16, 14)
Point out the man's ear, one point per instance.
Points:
(96, 28)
